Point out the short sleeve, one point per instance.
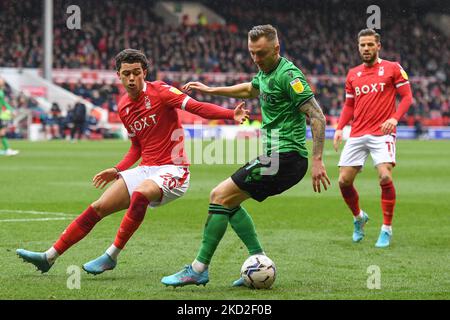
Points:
(294, 83)
(400, 76)
(173, 97)
(255, 82)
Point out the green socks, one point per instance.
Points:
(242, 224)
(215, 228)
(5, 143)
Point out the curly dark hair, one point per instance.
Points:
(131, 56)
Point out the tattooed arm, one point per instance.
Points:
(317, 121)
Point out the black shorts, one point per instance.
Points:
(2, 124)
(267, 176)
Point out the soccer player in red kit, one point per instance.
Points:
(148, 111)
(370, 91)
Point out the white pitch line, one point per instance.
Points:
(67, 216)
(36, 212)
(38, 219)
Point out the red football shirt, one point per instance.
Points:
(154, 127)
(373, 89)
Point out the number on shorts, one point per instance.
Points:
(169, 181)
(391, 147)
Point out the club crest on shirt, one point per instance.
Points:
(147, 102)
(381, 71)
(359, 73)
(297, 86)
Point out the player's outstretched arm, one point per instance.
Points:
(317, 120)
(240, 91)
(212, 111)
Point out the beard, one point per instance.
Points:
(369, 59)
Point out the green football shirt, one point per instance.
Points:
(5, 108)
(281, 92)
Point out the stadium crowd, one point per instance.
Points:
(317, 36)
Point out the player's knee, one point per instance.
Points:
(214, 196)
(150, 190)
(99, 208)
(218, 196)
(385, 178)
(345, 181)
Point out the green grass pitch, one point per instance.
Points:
(307, 235)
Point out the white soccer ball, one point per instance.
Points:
(258, 272)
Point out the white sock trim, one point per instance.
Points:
(198, 266)
(359, 216)
(51, 255)
(113, 252)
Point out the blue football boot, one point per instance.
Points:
(384, 239)
(100, 265)
(239, 282)
(185, 277)
(39, 259)
(358, 231)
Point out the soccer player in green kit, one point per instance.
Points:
(5, 116)
(286, 99)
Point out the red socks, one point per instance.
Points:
(387, 202)
(77, 230)
(82, 225)
(351, 198)
(132, 219)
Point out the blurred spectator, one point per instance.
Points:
(419, 132)
(202, 20)
(318, 36)
(54, 123)
(79, 121)
(93, 130)
(330, 27)
(68, 123)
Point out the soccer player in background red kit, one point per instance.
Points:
(148, 111)
(370, 91)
